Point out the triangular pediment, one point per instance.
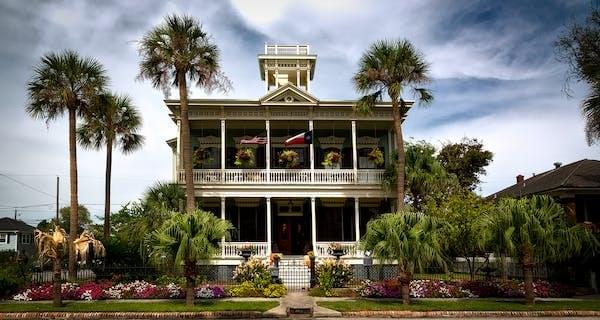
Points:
(289, 94)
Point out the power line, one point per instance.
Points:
(28, 186)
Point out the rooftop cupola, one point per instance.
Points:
(281, 64)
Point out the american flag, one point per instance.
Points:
(255, 140)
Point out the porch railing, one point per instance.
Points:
(285, 176)
(232, 249)
(351, 248)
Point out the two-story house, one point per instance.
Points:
(16, 235)
(326, 191)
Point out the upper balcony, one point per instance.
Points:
(286, 50)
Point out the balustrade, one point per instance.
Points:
(284, 176)
(351, 248)
(232, 249)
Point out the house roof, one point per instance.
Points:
(580, 175)
(9, 224)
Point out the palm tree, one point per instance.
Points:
(535, 230)
(165, 195)
(391, 67)
(591, 112)
(171, 54)
(49, 246)
(66, 83)
(410, 238)
(186, 239)
(113, 122)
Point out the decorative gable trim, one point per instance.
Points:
(289, 94)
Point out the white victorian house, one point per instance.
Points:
(278, 205)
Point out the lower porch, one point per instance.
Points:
(294, 226)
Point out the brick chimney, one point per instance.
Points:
(520, 179)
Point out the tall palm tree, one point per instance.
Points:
(49, 246)
(392, 67)
(172, 53)
(535, 230)
(186, 239)
(409, 238)
(113, 122)
(66, 83)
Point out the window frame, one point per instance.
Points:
(28, 236)
(4, 238)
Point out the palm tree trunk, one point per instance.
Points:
(404, 280)
(189, 285)
(400, 151)
(528, 275)
(109, 146)
(185, 142)
(74, 214)
(56, 279)
(503, 268)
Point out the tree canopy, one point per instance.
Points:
(466, 160)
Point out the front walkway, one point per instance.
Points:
(300, 303)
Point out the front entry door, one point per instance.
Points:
(291, 236)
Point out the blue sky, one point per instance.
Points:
(495, 79)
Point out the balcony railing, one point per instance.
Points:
(350, 247)
(286, 50)
(285, 176)
(232, 249)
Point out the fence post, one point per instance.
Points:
(313, 278)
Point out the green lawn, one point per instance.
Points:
(115, 306)
(460, 305)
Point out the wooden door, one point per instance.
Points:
(284, 236)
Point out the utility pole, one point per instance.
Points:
(57, 193)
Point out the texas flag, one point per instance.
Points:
(302, 138)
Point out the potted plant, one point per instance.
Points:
(336, 250)
(289, 158)
(246, 251)
(244, 158)
(201, 157)
(332, 160)
(376, 157)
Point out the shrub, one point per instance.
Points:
(333, 274)
(8, 285)
(255, 271)
(245, 289)
(209, 292)
(275, 291)
(166, 279)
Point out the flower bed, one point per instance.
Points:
(462, 289)
(125, 290)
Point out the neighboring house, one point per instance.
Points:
(275, 206)
(17, 236)
(575, 185)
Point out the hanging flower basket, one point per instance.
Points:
(332, 159)
(289, 158)
(244, 158)
(202, 157)
(376, 157)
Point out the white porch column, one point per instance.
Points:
(389, 153)
(266, 78)
(269, 236)
(298, 73)
(222, 218)
(354, 152)
(357, 220)
(312, 152)
(268, 151)
(313, 223)
(223, 150)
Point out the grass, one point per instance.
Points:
(460, 305)
(114, 306)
